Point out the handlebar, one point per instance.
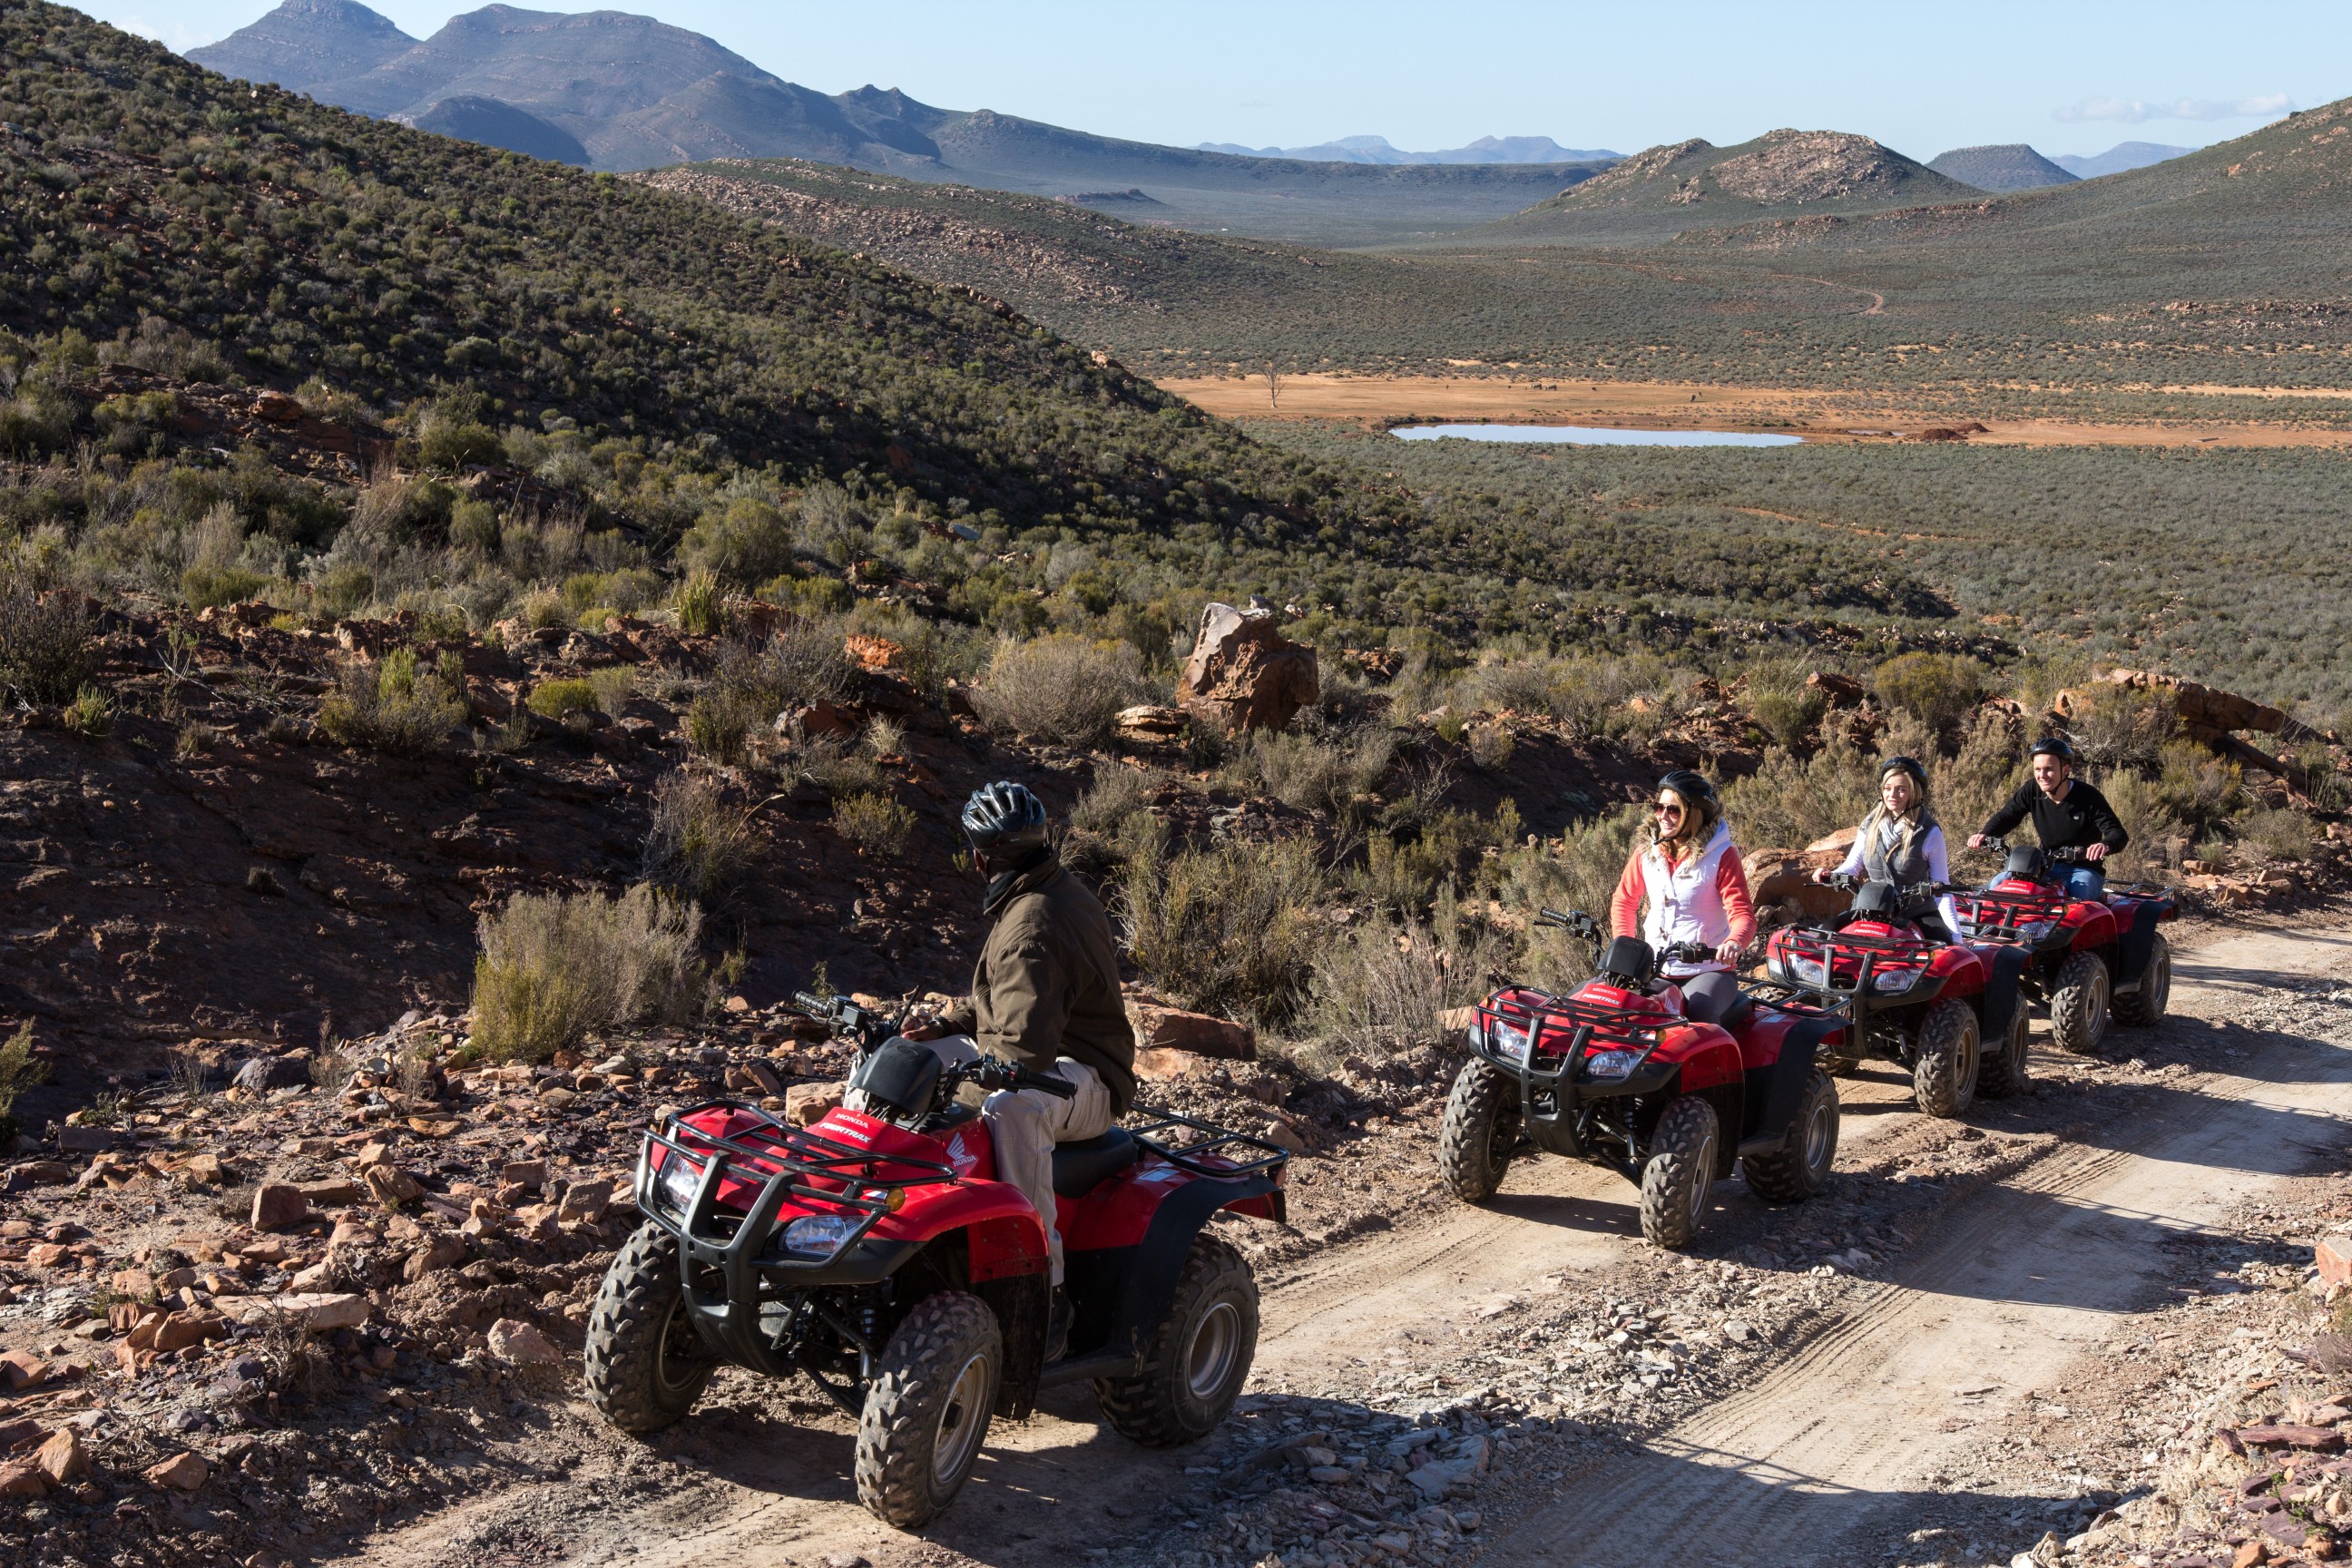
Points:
(2070, 854)
(990, 1074)
(864, 1025)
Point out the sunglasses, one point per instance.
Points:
(1668, 808)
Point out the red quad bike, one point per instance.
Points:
(1615, 1074)
(1915, 995)
(879, 1256)
(2092, 961)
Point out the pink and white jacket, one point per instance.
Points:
(1701, 898)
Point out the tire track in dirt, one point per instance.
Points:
(1842, 1443)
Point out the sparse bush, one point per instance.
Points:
(554, 968)
(1061, 688)
(49, 645)
(1788, 710)
(2121, 726)
(1936, 689)
(614, 685)
(876, 824)
(1788, 802)
(700, 844)
(1383, 986)
(1114, 794)
(1491, 746)
(1317, 773)
(1579, 872)
(802, 663)
(838, 768)
(1233, 930)
(19, 1071)
(720, 721)
(2276, 833)
(2197, 789)
(394, 707)
(749, 542)
(555, 698)
(543, 609)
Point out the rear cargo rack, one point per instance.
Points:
(1158, 1130)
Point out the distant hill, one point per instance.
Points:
(1696, 185)
(497, 125)
(2117, 159)
(307, 41)
(2010, 166)
(1377, 150)
(634, 93)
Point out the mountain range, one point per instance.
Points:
(1377, 150)
(2121, 158)
(2011, 166)
(620, 92)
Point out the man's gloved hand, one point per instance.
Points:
(921, 1027)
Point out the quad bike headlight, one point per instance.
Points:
(1506, 1042)
(2035, 931)
(818, 1234)
(1895, 980)
(679, 1177)
(1611, 1064)
(1806, 971)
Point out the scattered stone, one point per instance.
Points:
(319, 1311)
(182, 1472)
(278, 1207)
(21, 1370)
(62, 1458)
(805, 1104)
(585, 1203)
(1162, 1028)
(519, 1342)
(22, 1480)
(390, 1184)
(754, 1078)
(527, 1173)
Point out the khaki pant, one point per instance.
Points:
(1024, 1124)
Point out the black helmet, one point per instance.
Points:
(1004, 817)
(1694, 789)
(1905, 765)
(2053, 746)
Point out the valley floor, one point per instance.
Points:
(1820, 415)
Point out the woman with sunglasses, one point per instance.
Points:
(1689, 885)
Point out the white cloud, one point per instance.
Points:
(2133, 110)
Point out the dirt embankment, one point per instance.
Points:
(1824, 416)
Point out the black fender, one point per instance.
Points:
(1022, 1304)
(2137, 945)
(1785, 1080)
(2002, 995)
(1119, 1296)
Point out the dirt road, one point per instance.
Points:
(1817, 415)
(1839, 1443)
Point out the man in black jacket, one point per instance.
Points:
(2067, 814)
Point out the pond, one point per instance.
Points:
(1594, 436)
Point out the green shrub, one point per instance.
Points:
(473, 525)
(201, 587)
(614, 685)
(19, 1071)
(699, 603)
(877, 825)
(1936, 689)
(1788, 710)
(90, 713)
(555, 698)
(2197, 789)
(48, 646)
(700, 844)
(1381, 987)
(1789, 802)
(1579, 871)
(721, 721)
(1061, 688)
(1317, 773)
(749, 542)
(1233, 930)
(554, 968)
(394, 707)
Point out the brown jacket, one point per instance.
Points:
(1047, 982)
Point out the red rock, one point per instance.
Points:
(391, 1184)
(754, 1077)
(2291, 1436)
(806, 1104)
(22, 1480)
(1245, 673)
(278, 1207)
(2334, 1256)
(184, 1472)
(585, 1203)
(1170, 1029)
(21, 1370)
(62, 1458)
(513, 1341)
(1157, 1065)
(530, 1175)
(1149, 724)
(331, 1194)
(38, 1174)
(14, 1435)
(446, 1252)
(48, 1255)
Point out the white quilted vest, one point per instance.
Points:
(1685, 903)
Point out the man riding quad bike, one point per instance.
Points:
(1619, 1073)
(1947, 1011)
(2091, 959)
(927, 1265)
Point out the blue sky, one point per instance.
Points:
(2066, 77)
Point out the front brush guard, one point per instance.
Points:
(1560, 1130)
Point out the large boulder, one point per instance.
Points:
(1245, 673)
(1163, 1028)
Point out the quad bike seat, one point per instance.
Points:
(1735, 1017)
(1080, 1167)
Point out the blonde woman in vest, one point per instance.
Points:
(1899, 841)
(1688, 885)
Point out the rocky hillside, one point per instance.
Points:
(1695, 184)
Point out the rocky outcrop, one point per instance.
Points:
(1245, 674)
